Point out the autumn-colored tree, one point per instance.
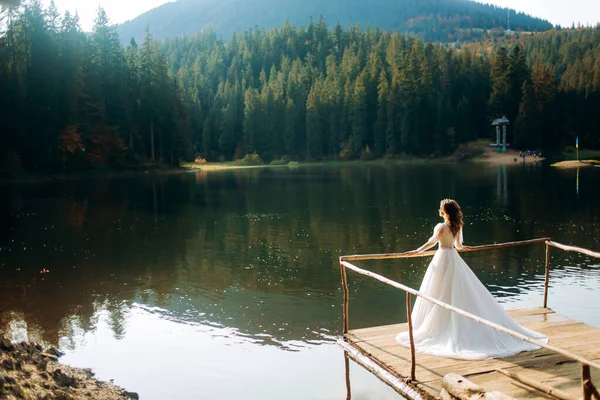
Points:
(69, 143)
(106, 148)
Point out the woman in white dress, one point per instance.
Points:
(441, 332)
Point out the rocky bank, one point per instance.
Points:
(28, 371)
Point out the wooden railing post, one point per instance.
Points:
(585, 381)
(346, 296)
(348, 387)
(589, 390)
(547, 282)
(413, 361)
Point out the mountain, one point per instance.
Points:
(438, 20)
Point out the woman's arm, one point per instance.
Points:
(430, 243)
(458, 241)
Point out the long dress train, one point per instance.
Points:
(441, 332)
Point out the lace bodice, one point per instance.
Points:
(443, 235)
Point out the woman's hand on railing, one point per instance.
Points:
(413, 252)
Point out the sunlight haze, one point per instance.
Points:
(556, 11)
(118, 11)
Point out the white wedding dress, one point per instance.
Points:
(444, 333)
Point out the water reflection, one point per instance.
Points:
(502, 184)
(347, 369)
(577, 183)
(248, 260)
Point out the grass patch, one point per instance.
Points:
(250, 160)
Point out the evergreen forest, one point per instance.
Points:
(73, 100)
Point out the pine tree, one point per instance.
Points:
(501, 85)
(527, 125)
(314, 123)
(518, 73)
(596, 80)
(359, 115)
(382, 131)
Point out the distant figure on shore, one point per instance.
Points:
(442, 332)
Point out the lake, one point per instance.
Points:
(216, 285)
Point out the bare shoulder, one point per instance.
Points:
(440, 226)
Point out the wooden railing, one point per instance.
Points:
(549, 244)
(589, 391)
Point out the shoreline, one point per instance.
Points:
(474, 152)
(481, 152)
(511, 157)
(27, 371)
(486, 155)
(572, 164)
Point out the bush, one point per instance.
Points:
(250, 159)
(278, 162)
(293, 164)
(367, 155)
(569, 149)
(346, 151)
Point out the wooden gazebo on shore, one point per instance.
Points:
(501, 124)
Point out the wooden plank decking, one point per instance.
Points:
(543, 366)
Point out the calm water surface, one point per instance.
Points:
(218, 285)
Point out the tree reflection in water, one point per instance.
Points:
(257, 249)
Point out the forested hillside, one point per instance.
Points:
(570, 58)
(72, 100)
(310, 93)
(438, 20)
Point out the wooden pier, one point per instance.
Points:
(559, 370)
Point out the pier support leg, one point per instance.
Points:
(589, 390)
(348, 387)
(346, 297)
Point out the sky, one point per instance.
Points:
(562, 12)
(117, 10)
(558, 12)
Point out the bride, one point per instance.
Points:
(442, 332)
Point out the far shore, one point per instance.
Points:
(472, 152)
(476, 152)
(576, 164)
(511, 157)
